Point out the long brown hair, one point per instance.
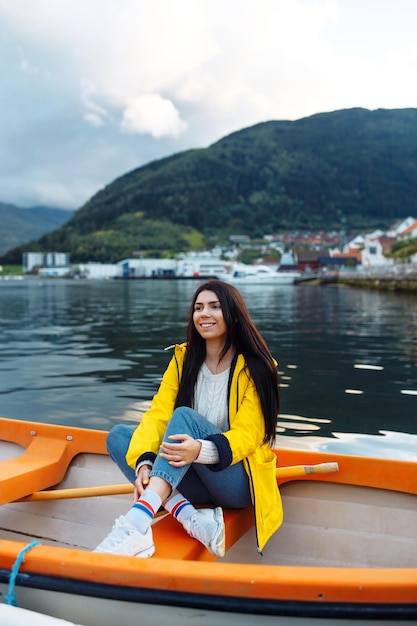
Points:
(243, 335)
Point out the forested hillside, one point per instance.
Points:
(349, 169)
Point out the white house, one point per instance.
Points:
(373, 252)
(409, 232)
(373, 246)
(399, 227)
(356, 243)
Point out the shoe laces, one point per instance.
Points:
(119, 533)
(200, 531)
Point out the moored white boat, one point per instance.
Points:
(260, 275)
(347, 550)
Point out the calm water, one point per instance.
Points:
(92, 353)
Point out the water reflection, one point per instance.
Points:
(92, 353)
(386, 444)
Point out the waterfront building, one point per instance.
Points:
(56, 262)
(192, 265)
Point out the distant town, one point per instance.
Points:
(308, 253)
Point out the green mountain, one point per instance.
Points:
(350, 169)
(21, 225)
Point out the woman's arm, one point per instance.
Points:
(147, 437)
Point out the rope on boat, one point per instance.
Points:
(11, 595)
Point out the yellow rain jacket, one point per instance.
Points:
(242, 442)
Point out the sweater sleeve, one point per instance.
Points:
(209, 455)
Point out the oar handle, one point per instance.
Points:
(305, 470)
(114, 490)
(79, 492)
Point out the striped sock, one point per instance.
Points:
(144, 510)
(179, 507)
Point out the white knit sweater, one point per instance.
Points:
(211, 401)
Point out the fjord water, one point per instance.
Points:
(91, 354)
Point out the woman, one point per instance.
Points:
(206, 438)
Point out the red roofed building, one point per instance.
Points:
(409, 232)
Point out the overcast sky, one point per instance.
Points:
(91, 89)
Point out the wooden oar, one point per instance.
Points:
(305, 470)
(79, 492)
(114, 490)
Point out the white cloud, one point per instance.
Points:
(93, 119)
(94, 114)
(154, 115)
(234, 60)
(237, 60)
(125, 49)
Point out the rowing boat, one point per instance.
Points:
(347, 549)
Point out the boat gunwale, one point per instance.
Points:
(295, 583)
(217, 602)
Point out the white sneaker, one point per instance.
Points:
(125, 539)
(207, 525)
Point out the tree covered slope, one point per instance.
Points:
(347, 169)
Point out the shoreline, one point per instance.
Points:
(389, 283)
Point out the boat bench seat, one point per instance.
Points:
(172, 542)
(40, 466)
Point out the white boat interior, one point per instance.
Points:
(325, 524)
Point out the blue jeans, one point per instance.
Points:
(228, 488)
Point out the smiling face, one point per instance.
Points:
(208, 317)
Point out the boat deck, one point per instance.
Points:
(336, 525)
(325, 523)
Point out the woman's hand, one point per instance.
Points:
(182, 451)
(141, 482)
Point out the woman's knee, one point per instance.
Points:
(187, 414)
(118, 438)
(187, 420)
(183, 411)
